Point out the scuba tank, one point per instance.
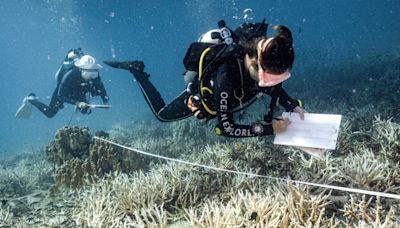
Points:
(204, 55)
(199, 61)
(72, 56)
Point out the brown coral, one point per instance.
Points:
(78, 157)
(69, 142)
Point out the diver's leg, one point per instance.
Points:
(54, 102)
(51, 110)
(176, 110)
(48, 111)
(173, 111)
(150, 93)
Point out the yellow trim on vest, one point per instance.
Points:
(300, 103)
(218, 131)
(203, 54)
(206, 89)
(203, 89)
(209, 110)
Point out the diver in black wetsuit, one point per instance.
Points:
(260, 66)
(78, 76)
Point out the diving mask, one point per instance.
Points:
(89, 74)
(267, 80)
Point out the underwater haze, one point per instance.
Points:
(36, 34)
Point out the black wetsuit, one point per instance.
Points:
(228, 95)
(227, 91)
(72, 89)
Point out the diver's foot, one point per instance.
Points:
(136, 67)
(30, 97)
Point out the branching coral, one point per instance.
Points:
(214, 214)
(349, 139)
(365, 212)
(28, 174)
(243, 154)
(97, 206)
(175, 187)
(5, 216)
(270, 208)
(123, 199)
(174, 139)
(386, 134)
(322, 170)
(152, 216)
(364, 170)
(374, 162)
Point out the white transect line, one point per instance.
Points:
(344, 189)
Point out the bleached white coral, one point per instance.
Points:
(152, 216)
(96, 206)
(322, 170)
(386, 133)
(5, 216)
(365, 170)
(269, 208)
(368, 212)
(27, 174)
(124, 199)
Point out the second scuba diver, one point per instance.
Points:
(77, 77)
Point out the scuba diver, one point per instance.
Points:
(238, 66)
(77, 77)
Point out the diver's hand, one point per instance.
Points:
(280, 125)
(82, 105)
(300, 111)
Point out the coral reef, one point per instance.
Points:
(270, 208)
(364, 212)
(21, 176)
(24, 182)
(217, 199)
(69, 142)
(80, 159)
(174, 139)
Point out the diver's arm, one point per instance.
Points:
(290, 104)
(223, 94)
(287, 102)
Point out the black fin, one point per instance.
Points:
(120, 65)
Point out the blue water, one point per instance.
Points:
(36, 34)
